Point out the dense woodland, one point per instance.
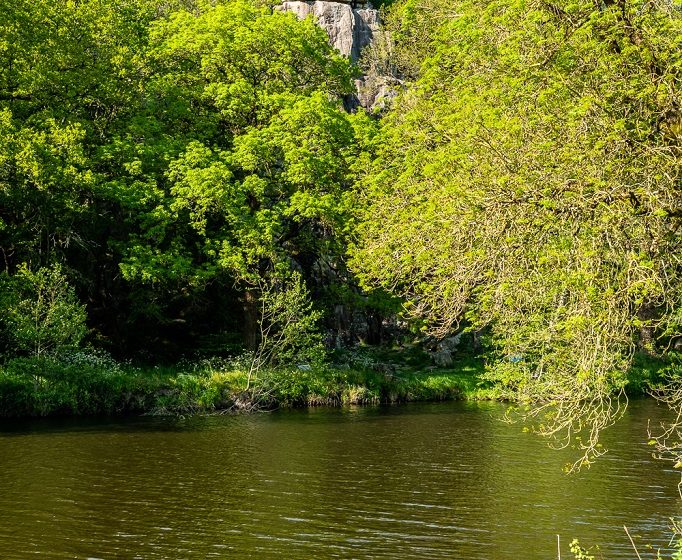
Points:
(182, 180)
(167, 159)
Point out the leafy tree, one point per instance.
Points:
(411, 34)
(70, 75)
(70, 83)
(288, 326)
(41, 313)
(530, 182)
(260, 185)
(194, 146)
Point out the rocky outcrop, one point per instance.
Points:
(375, 93)
(443, 356)
(350, 26)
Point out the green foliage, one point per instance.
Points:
(288, 327)
(192, 393)
(333, 387)
(180, 159)
(171, 154)
(579, 553)
(261, 178)
(16, 395)
(677, 555)
(649, 371)
(410, 37)
(42, 315)
(529, 184)
(69, 76)
(90, 382)
(83, 382)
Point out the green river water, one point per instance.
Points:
(446, 480)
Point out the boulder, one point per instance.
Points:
(443, 354)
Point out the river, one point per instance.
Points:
(448, 480)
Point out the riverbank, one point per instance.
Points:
(91, 383)
(28, 388)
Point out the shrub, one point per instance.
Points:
(42, 314)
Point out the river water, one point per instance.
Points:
(446, 480)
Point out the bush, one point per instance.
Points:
(16, 395)
(86, 382)
(42, 314)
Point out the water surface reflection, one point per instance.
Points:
(423, 481)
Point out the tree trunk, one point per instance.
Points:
(251, 328)
(647, 341)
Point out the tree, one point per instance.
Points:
(69, 76)
(70, 81)
(530, 183)
(288, 329)
(260, 185)
(41, 313)
(193, 146)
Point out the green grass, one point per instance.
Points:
(93, 384)
(344, 386)
(90, 383)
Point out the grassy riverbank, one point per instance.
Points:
(91, 383)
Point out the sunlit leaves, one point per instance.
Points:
(41, 314)
(528, 185)
(269, 148)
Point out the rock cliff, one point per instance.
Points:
(350, 26)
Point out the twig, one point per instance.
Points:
(558, 547)
(633, 542)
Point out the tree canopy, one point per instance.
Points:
(178, 163)
(530, 185)
(154, 148)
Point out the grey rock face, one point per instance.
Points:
(375, 93)
(367, 23)
(443, 356)
(349, 29)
